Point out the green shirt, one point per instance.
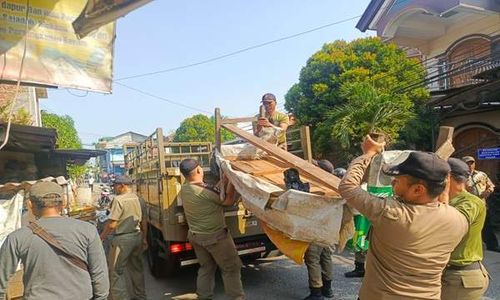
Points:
(203, 208)
(126, 209)
(470, 248)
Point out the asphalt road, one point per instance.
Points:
(280, 278)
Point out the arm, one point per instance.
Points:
(8, 260)
(490, 187)
(98, 269)
(229, 192)
(108, 228)
(144, 230)
(350, 186)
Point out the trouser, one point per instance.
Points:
(319, 265)
(217, 250)
(360, 256)
(488, 233)
(126, 255)
(464, 284)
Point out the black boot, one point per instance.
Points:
(359, 271)
(315, 294)
(326, 289)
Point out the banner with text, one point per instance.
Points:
(54, 54)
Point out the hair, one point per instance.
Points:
(458, 178)
(47, 201)
(434, 188)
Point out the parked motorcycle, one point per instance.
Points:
(105, 198)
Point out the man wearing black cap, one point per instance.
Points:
(465, 277)
(128, 243)
(412, 234)
(212, 243)
(48, 272)
(273, 118)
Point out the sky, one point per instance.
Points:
(166, 33)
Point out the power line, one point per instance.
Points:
(162, 99)
(238, 51)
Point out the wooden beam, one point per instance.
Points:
(444, 145)
(218, 123)
(321, 176)
(305, 137)
(238, 120)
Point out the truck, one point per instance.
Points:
(154, 166)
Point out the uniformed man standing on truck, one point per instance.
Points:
(128, 242)
(212, 243)
(272, 118)
(412, 234)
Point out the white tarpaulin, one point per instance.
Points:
(301, 216)
(10, 214)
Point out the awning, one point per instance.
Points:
(29, 138)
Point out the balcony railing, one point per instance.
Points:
(443, 75)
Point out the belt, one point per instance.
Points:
(473, 266)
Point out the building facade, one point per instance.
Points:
(113, 163)
(458, 41)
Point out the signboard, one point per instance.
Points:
(488, 153)
(54, 54)
(100, 12)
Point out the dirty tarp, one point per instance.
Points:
(10, 214)
(300, 216)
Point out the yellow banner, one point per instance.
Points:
(54, 54)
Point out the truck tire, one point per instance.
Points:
(159, 266)
(155, 262)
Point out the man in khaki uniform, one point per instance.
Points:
(479, 184)
(128, 242)
(273, 118)
(465, 277)
(212, 243)
(412, 234)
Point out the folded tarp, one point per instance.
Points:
(299, 215)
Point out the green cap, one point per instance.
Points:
(42, 189)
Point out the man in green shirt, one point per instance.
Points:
(273, 118)
(465, 276)
(212, 243)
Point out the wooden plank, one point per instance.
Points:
(306, 142)
(238, 120)
(444, 143)
(218, 122)
(323, 177)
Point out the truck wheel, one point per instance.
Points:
(159, 266)
(155, 262)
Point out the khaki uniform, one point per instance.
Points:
(212, 243)
(276, 119)
(126, 248)
(465, 277)
(410, 245)
(319, 265)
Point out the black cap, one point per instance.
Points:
(459, 169)
(339, 172)
(268, 97)
(123, 180)
(188, 165)
(423, 165)
(324, 164)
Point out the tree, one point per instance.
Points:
(199, 128)
(348, 89)
(67, 136)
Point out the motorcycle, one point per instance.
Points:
(105, 198)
